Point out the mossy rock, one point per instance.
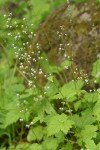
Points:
(71, 31)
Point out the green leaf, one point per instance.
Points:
(3, 2)
(96, 69)
(87, 133)
(96, 109)
(52, 88)
(2, 117)
(65, 64)
(57, 123)
(90, 145)
(97, 139)
(77, 105)
(68, 146)
(35, 146)
(69, 90)
(36, 119)
(44, 106)
(15, 88)
(98, 146)
(60, 137)
(91, 97)
(82, 121)
(50, 78)
(23, 146)
(12, 116)
(4, 148)
(35, 133)
(50, 143)
(47, 66)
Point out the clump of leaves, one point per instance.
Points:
(52, 116)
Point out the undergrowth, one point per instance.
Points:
(37, 112)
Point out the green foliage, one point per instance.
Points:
(80, 122)
(67, 146)
(58, 123)
(50, 143)
(88, 133)
(35, 133)
(96, 70)
(96, 109)
(70, 90)
(48, 117)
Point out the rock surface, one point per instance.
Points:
(71, 31)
